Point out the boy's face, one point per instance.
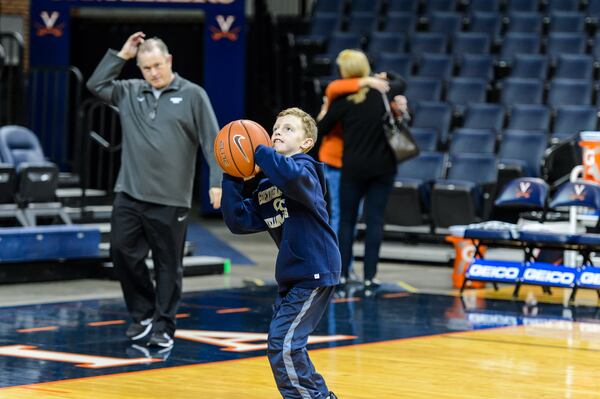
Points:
(289, 137)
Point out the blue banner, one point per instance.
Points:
(539, 273)
(494, 270)
(589, 277)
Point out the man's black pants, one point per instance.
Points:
(136, 227)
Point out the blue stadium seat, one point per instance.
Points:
(569, 92)
(400, 63)
(565, 42)
(37, 177)
(408, 6)
(476, 66)
(515, 43)
(524, 192)
(524, 22)
(400, 22)
(562, 5)
(522, 5)
(483, 5)
(446, 22)
(423, 89)
(470, 43)
(439, 5)
(385, 42)
(523, 151)
(321, 26)
(427, 42)
(529, 117)
(484, 116)
(462, 91)
(425, 137)
(362, 23)
(371, 6)
(574, 66)
(337, 42)
(433, 115)
(529, 66)
(521, 91)
(466, 140)
(435, 66)
(572, 119)
(489, 23)
(464, 196)
(408, 204)
(333, 6)
(567, 21)
(593, 9)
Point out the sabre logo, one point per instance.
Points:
(224, 30)
(237, 139)
(50, 27)
(497, 272)
(588, 278)
(549, 276)
(524, 190)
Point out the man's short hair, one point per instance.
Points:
(308, 122)
(152, 43)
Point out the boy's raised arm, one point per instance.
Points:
(240, 214)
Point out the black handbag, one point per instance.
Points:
(401, 142)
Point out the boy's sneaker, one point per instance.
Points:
(331, 396)
(139, 330)
(162, 339)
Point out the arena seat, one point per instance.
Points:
(37, 177)
(465, 195)
(408, 204)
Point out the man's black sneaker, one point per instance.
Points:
(139, 330)
(331, 396)
(161, 339)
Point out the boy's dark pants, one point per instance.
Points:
(136, 227)
(295, 316)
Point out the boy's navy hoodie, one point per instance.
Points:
(290, 203)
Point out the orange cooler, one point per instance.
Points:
(590, 144)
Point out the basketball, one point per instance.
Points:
(235, 145)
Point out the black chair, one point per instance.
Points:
(465, 195)
(408, 204)
(37, 178)
(8, 190)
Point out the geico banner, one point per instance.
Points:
(548, 274)
(589, 277)
(494, 270)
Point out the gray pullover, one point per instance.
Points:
(160, 136)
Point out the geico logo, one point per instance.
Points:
(549, 276)
(487, 319)
(590, 278)
(493, 271)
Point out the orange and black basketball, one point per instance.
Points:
(235, 145)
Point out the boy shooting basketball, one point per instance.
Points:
(290, 204)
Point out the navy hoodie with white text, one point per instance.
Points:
(290, 204)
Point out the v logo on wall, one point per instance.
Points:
(49, 26)
(224, 30)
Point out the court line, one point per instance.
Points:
(233, 310)
(35, 329)
(105, 323)
(522, 343)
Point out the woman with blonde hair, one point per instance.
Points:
(368, 164)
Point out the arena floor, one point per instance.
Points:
(416, 338)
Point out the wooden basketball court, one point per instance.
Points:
(393, 345)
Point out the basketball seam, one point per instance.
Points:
(230, 150)
(262, 129)
(251, 145)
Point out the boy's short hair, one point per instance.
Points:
(308, 122)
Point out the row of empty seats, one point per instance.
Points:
(590, 7)
(434, 120)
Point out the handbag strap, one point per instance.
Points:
(388, 110)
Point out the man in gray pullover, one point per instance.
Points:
(164, 119)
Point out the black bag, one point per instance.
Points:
(401, 142)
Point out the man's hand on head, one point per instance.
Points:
(130, 48)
